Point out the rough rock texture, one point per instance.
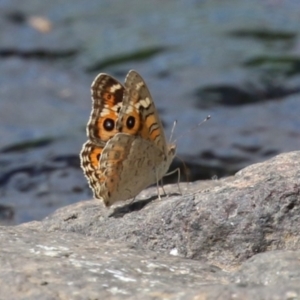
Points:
(238, 238)
(72, 266)
(224, 221)
(60, 265)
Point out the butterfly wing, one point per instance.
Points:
(107, 97)
(137, 97)
(127, 149)
(121, 170)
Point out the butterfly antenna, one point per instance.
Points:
(172, 131)
(193, 128)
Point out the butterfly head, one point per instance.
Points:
(171, 152)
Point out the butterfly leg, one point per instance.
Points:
(178, 179)
(162, 186)
(157, 185)
(132, 200)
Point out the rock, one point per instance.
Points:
(60, 265)
(234, 238)
(64, 265)
(224, 222)
(276, 268)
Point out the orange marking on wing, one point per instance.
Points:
(102, 133)
(150, 131)
(137, 123)
(95, 156)
(108, 98)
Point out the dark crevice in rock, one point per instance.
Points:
(72, 217)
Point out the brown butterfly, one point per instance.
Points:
(126, 149)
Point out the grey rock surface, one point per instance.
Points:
(60, 265)
(223, 221)
(236, 238)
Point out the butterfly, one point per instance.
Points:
(126, 149)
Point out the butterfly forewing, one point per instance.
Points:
(107, 97)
